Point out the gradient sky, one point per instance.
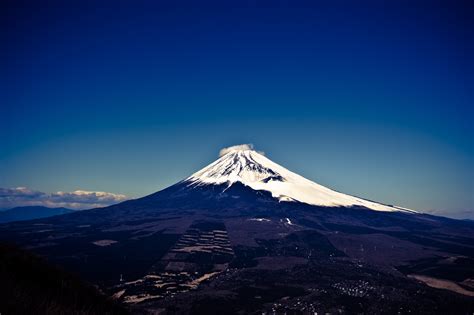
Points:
(371, 98)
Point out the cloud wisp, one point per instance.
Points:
(238, 147)
(78, 199)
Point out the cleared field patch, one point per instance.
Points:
(442, 284)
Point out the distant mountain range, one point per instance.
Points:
(30, 213)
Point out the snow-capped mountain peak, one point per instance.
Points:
(254, 170)
(246, 166)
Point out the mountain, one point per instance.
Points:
(247, 236)
(30, 213)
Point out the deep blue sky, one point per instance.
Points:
(369, 98)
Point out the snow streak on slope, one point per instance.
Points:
(259, 173)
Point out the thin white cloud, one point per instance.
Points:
(79, 199)
(238, 147)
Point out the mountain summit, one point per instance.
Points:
(243, 164)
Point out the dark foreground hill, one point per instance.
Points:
(29, 285)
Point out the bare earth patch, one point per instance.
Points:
(104, 242)
(442, 284)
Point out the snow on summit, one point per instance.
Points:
(243, 164)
